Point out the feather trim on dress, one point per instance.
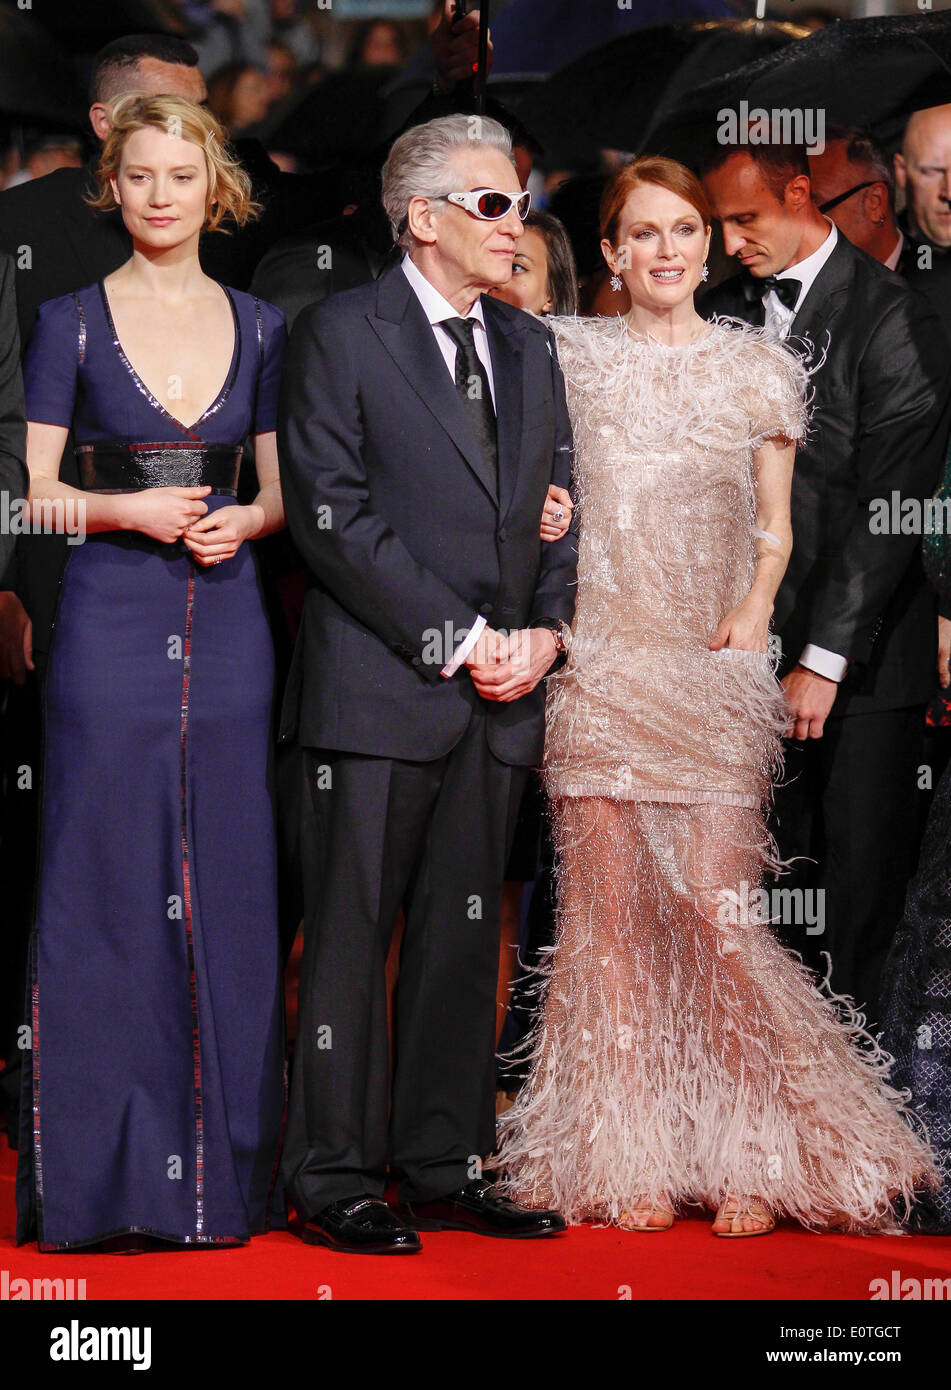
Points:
(682, 1052)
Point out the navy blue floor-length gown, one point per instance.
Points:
(157, 1084)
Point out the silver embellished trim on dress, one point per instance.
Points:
(141, 387)
(260, 329)
(81, 335)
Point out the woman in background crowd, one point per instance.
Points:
(543, 270)
(239, 95)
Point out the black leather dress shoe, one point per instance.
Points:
(479, 1207)
(360, 1226)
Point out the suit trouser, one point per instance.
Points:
(432, 838)
(850, 801)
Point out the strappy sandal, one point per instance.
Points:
(644, 1208)
(734, 1209)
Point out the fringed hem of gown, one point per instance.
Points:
(683, 1053)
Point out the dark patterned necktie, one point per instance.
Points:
(472, 383)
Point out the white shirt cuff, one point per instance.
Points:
(464, 648)
(823, 662)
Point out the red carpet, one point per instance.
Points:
(687, 1262)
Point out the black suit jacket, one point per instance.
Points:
(57, 240)
(414, 544)
(881, 421)
(927, 269)
(326, 259)
(13, 477)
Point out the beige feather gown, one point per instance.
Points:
(682, 1052)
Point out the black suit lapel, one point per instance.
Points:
(754, 311)
(824, 301)
(826, 297)
(407, 335)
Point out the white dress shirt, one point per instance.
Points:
(891, 263)
(778, 317)
(779, 320)
(436, 308)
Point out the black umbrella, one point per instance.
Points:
(859, 72)
(88, 27)
(609, 97)
(37, 81)
(408, 102)
(337, 119)
(482, 57)
(412, 88)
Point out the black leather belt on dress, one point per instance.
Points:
(132, 467)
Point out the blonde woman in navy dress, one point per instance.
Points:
(157, 1063)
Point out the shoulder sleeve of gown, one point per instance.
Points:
(578, 344)
(571, 333)
(779, 393)
(50, 367)
(273, 345)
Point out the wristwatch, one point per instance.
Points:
(559, 629)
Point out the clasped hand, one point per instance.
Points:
(506, 667)
(168, 514)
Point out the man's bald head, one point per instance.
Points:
(923, 170)
(924, 125)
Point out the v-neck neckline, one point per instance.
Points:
(153, 400)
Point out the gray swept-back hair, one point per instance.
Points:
(420, 162)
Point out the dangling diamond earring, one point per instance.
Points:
(616, 282)
(705, 272)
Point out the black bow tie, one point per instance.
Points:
(787, 290)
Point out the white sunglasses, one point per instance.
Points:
(488, 204)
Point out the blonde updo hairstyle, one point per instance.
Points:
(229, 187)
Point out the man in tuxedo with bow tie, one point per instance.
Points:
(854, 614)
(421, 425)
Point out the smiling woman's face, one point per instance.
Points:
(162, 187)
(661, 247)
(528, 287)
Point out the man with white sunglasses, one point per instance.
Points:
(421, 425)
